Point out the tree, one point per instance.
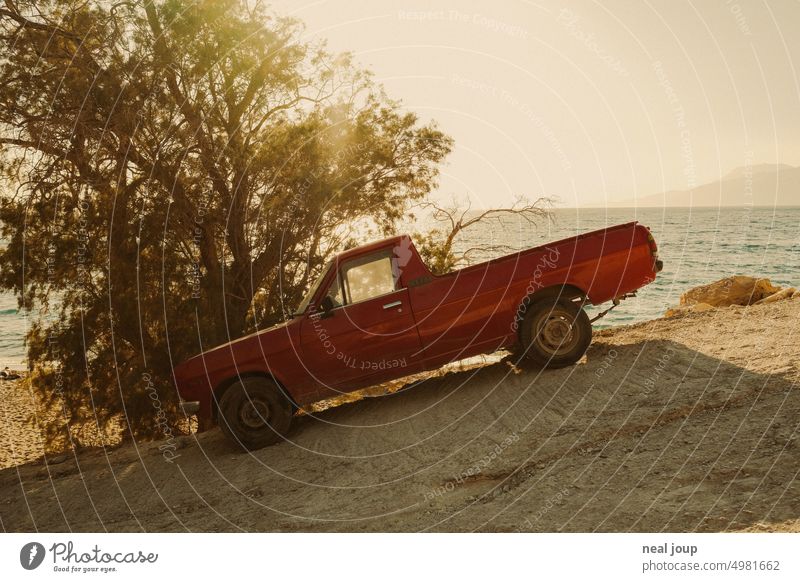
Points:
(438, 247)
(166, 163)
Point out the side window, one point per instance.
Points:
(368, 277)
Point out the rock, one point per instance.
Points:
(736, 290)
(782, 294)
(796, 294)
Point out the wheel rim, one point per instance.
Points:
(254, 413)
(555, 332)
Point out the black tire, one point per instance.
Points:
(254, 413)
(555, 333)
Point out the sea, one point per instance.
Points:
(697, 245)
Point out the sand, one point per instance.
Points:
(681, 424)
(20, 441)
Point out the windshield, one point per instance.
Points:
(312, 290)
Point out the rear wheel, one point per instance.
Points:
(254, 413)
(555, 333)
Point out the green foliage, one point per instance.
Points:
(175, 174)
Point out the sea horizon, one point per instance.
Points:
(697, 244)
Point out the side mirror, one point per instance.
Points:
(327, 305)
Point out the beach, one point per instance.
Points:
(686, 423)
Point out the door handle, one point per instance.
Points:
(393, 304)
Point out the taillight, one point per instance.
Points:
(651, 242)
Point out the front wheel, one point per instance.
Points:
(254, 413)
(555, 333)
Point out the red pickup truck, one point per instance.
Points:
(377, 313)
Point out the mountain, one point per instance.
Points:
(758, 185)
(742, 171)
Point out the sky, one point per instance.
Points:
(582, 101)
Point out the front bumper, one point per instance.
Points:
(190, 408)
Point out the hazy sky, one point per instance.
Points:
(583, 100)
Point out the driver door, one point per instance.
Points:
(369, 335)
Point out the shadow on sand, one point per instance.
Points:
(646, 436)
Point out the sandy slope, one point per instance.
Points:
(682, 424)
